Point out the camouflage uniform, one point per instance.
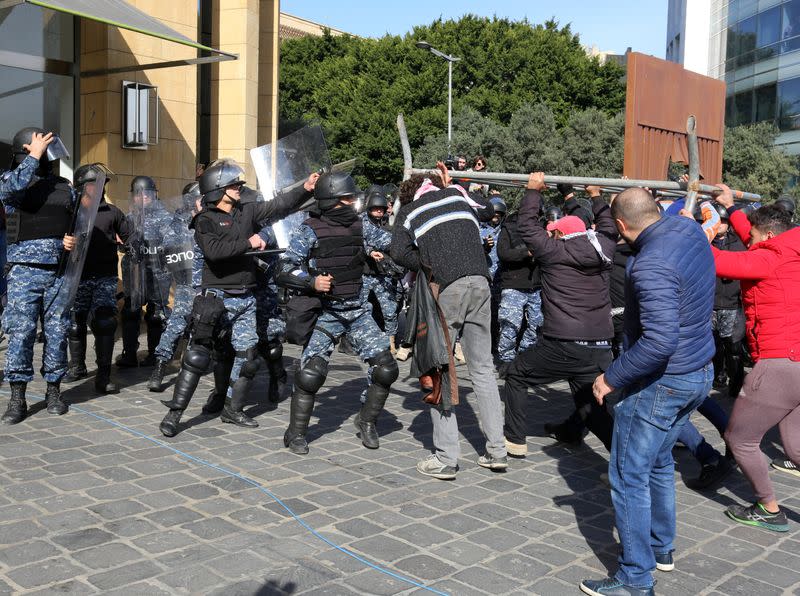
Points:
(185, 289)
(385, 287)
(33, 292)
(271, 325)
(352, 317)
(96, 292)
(493, 261)
(514, 306)
(728, 323)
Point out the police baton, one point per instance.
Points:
(270, 252)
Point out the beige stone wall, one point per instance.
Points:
(172, 161)
(268, 71)
(234, 103)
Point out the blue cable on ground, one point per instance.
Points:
(260, 487)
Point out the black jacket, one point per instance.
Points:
(575, 278)
(102, 260)
(728, 293)
(440, 229)
(518, 270)
(224, 238)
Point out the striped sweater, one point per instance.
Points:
(440, 230)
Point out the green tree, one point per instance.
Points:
(356, 87)
(751, 162)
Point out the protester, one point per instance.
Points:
(769, 273)
(664, 373)
(440, 229)
(575, 344)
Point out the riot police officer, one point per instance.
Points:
(325, 259)
(97, 293)
(39, 207)
(381, 274)
(185, 260)
(224, 313)
(145, 279)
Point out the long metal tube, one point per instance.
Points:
(522, 179)
(449, 105)
(694, 164)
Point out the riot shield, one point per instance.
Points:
(149, 280)
(83, 225)
(287, 163)
(178, 240)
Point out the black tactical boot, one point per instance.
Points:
(156, 382)
(17, 409)
(169, 425)
(155, 327)
(277, 380)
(734, 362)
(366, 418)
(233, 411)
(77, 361)
(130, 340)
(299, 416)
(222, 377)
(55, 405)
(104, 349)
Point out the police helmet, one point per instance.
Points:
(786, 203)
(553, 214)
(722, 210)
(192, 189)
(55, 150)
(391, 191)
(89, 173)
(376, 197)
(141, 184)
(499, 205)
(217, 177)
(588, 216)
(333, 186)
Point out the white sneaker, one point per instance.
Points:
(459, 354)
(403, 353)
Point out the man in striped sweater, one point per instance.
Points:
(438, 227)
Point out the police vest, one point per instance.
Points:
(339, 252)
(44, 212)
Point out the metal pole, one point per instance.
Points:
(449, 104)
(694, 164)
(407, 163)
(522, 179)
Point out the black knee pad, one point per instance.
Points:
(196, 359)
(251, 364)
(275, 351)
(224, 352)
(104, 321)
(385, 371)
(312, 376)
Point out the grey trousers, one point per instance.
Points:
(466, 304)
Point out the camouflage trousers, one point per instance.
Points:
(516, 306)
(385, 289)
(362, 331)
(94, 293)
(728, 322)
(177, 322)
(269, 319)
(239, 324)
(34, 293)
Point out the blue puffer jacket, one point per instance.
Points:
(669, 296)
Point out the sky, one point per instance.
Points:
(611, 25)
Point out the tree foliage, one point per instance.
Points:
(356, 87)
(751, 162)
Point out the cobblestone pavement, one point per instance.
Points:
(90, 506)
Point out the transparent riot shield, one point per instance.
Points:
(85, 214)
(285, 165)
(178, 239)
(149, 279)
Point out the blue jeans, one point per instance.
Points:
(695, 442)
(647, 423)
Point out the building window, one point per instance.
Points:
(790, 32)
(769, 32)
(789, 101)
(743, 108)
(746, 37)
(766, 97)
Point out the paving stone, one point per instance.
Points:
(130, 527)
(497, 539)
(424, 567)
(68, 587)
(69, 520)
(374, 582)
(359, 528)
(211, 528)
(138, 589)
(519, 567)
(117, 509)
(44, 572)
(487, 580)
(19, 531)
(174, 516)
(194, 580)
(422, 534)
(775, 575)
(164, 541)
(298, 506)
(107, 555)
(23, 553)
(81, 539)
(747, 586)
(197, 491)
(122, 576)
(387, 548)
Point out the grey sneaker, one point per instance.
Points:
(435, 469)
(493, 463)
(786, 465)
(756, 515)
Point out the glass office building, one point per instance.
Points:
(755, 49)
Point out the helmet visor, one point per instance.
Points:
(56, 149)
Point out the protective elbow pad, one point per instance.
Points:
(312, 376)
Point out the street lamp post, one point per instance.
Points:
(424, 45)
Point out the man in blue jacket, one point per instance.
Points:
(664, 373)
